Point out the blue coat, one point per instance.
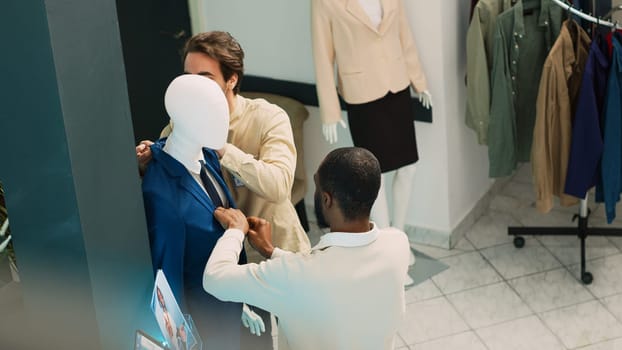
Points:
(182, 235)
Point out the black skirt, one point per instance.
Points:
(386, 127)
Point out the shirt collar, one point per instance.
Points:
(347, 239)
(543, 17)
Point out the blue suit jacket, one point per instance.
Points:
(182, 235)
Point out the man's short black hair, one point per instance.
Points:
(352, 176)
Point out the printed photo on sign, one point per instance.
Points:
(171, 320)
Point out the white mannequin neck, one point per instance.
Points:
(184, 150)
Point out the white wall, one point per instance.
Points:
(275, 34)
(451, 175)
(467, 160)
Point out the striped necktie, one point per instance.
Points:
(209, 186)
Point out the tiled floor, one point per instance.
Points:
(495, 296)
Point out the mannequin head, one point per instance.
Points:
(199, 111)
(346, 186)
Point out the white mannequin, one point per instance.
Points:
(187, 99)
(198, 108)
(402, 184)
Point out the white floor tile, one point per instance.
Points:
(583, 324)
(423, 291)
(522, 334)
(551, 290)
(465, 271)
(491, 229)
(399, 342)
(464, 245)
(607, 274)
(614, 305)
(523, 192)
(503, 203)
(438, 253)
(462, 341)
(491, 315)
(617, 241)
(568, 248)
(523, 174)
(514, 262)
(430, 319)
(615, 344)
(598, 217)
(489, 305)
(531, 217)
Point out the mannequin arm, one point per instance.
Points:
(426, 99)
(329, 130)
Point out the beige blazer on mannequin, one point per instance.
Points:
(370, 62)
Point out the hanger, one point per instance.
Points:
(568, 10)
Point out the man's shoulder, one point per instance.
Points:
(393, 234)
(262, 108)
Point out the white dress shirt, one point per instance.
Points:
(348, 293)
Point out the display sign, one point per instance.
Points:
(177, 329)
(146, 342)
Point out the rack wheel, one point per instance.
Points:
(587, 278)
(519, 242)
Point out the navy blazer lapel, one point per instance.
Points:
(191, 185)
(216, 174)
(355, 9)
(178, 171)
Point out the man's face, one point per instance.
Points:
(168, 325)
(317, 204)
(202, 64)
(160, 297)
(182, 332)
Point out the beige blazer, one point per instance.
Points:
(370, 62)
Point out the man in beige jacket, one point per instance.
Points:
(259, 158)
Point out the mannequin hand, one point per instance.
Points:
(252, 321)
(426, 99)
(330, 131)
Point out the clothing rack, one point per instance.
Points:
(582, 230)
(579, 13)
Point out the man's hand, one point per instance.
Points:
(143, 153)
(231, 218)
(260, 236)
(221, 152)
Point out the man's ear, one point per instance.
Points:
(232, 81)
(328, 200)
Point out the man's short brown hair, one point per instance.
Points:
(222, 47)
